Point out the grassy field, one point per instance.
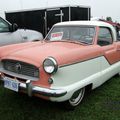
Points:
(100, 104)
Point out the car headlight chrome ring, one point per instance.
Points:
(50, 65)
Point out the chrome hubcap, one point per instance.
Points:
(77, 97)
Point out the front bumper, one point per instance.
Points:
(31, 89)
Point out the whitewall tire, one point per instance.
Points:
(76, 99)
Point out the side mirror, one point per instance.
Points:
(13, 27)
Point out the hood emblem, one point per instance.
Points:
(18, 67)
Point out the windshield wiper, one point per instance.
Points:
(84, 42)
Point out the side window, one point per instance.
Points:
(118, 33)
(104, 36)
(4, 27)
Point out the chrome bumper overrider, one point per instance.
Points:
(31, 89)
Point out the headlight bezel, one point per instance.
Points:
(54, 62)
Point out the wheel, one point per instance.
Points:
(75, 100)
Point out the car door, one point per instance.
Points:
(7, 36)
(108, 46)
(110, 52)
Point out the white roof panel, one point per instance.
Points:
(91, 23)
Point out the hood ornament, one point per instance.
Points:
(18, 67)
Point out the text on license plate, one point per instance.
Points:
(11, 84)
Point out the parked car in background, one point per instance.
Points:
(10, 34)
(74, 57)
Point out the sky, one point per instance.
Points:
(99, 8)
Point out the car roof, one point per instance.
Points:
(91, 23)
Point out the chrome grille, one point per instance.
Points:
(21, 68)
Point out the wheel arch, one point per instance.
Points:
(88, 88)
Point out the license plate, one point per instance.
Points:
(11, 84)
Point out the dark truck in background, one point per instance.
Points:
(43, 19)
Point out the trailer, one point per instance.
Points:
(43, 19)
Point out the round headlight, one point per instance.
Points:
(50, 65)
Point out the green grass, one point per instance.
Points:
(101, 104)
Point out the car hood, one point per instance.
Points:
(63, 52)
(30, 35)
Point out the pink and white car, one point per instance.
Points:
(73, 57)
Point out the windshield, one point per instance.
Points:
(82, 34)
(3, 25)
